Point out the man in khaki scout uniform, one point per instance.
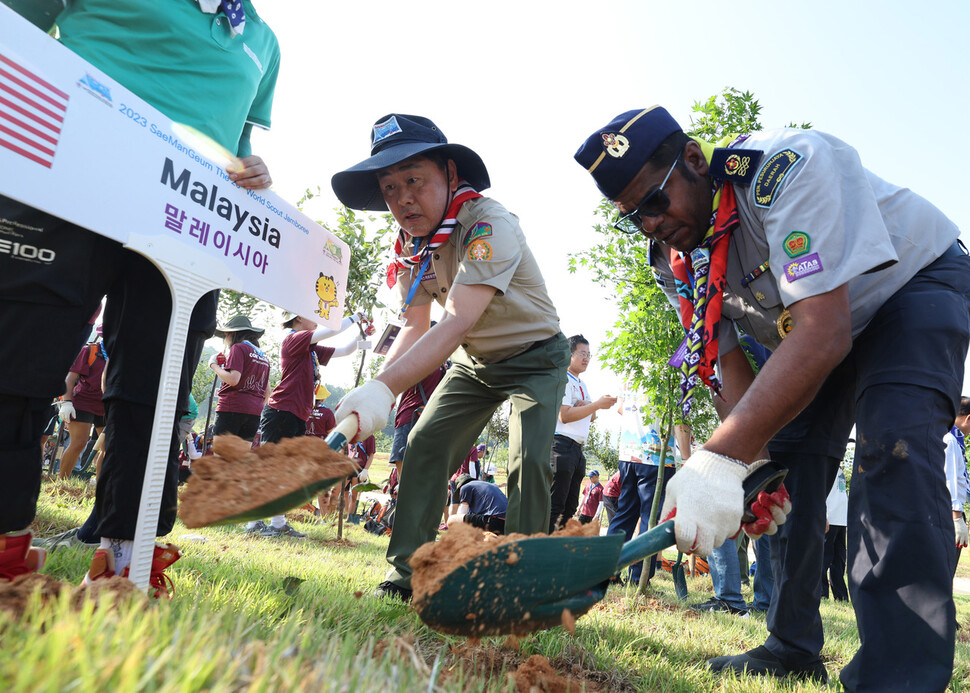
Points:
(468, 253)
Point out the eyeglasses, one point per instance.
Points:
(654, 204)
(585, 354)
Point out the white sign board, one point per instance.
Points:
(78, 145)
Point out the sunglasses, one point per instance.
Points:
(654, 204)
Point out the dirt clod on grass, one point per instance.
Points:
(537, 675)
(238, 479)
(16, 594)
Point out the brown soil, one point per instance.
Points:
(15, 595)
(434, 561)
(537, 675)
(238, 479)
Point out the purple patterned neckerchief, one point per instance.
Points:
(233, 9)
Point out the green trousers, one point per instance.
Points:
(457, 412)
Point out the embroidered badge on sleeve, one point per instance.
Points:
(480, 230)
(806, 266)
(480, 250)
(772, 174)
(797, 243)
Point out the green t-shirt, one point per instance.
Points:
(181, 60)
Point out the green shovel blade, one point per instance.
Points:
(503, 591)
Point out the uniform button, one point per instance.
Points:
(218, 21)
(444, 289)
(464, 346)
(434, 295)
(437, 257)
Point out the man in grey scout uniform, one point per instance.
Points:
(468, 253)
(861, 289)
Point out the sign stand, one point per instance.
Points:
(202, 231)
(189, 280)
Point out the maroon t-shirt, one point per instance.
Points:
(248, 395)
(593, 498)
(87, 393)
(321, 421)
(467, 465)
(359, 452)
(613, 486)
(297, 364)
(411, 399)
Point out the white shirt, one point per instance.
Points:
(576, 392)
(955, 465)
(837, 504)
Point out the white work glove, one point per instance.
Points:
(66, 411)
(363, 476)
(363, 344)
(960, 528)
(707, 500)
(371, 403)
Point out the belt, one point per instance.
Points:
(562, 436)
(536, 345)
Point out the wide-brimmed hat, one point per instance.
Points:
(237, 323)
(394, 138)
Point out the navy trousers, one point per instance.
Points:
(900, 384)
(638, 483)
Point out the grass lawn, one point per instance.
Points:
(254, 614)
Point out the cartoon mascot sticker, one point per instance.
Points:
(327, 293)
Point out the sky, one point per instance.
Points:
(524, 83)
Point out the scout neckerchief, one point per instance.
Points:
(233, 9)
(700, 286)
(463, 194)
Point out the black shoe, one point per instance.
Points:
(761, 662)
(392, 591)
(718, 606)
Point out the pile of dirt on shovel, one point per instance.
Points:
(237, 478)
(434, 561)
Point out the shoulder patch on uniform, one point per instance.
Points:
(797, 243)
(803, 267)
(480, 250)
(480, 230)
(735, 165)
(772, 174)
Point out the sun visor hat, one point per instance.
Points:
(395, 138)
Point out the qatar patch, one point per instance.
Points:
(805, 267)
(479, 230)
(735, 165)
(797, 243)
(772, 174)
(384, 130)
(480, 251)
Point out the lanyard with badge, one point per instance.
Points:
(394, 326)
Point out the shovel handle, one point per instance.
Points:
(766, 478)
(343, 433)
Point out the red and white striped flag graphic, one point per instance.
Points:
(31, 113)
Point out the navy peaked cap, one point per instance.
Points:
(615, 153)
